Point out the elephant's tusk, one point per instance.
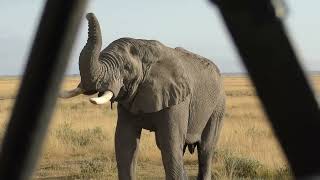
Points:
(69, 94)
(102, 99)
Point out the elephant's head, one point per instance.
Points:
(144, 75)
(104, 72)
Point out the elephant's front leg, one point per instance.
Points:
(170, 134)
(172, 156)
(127, 138)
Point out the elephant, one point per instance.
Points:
(175, 93)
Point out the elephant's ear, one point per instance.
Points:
(166, 83)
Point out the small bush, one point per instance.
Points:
(91, 168)
(97, 168)
(242, 167)
(235, 167)
(79, 138)
(283, 173)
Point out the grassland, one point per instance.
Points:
(80, 144)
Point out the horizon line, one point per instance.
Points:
(223, 73)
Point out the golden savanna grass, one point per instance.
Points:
(80, 139)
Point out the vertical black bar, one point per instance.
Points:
(279, 80)
(38, 92)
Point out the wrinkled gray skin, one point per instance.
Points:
(173, 92)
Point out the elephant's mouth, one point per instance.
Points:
(91, 92)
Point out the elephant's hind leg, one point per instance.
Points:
(207, 144)
(127, 138)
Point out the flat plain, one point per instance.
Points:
(80, 139)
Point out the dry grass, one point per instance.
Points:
(80, 141)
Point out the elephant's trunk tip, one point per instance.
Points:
(89, 15)
(94, 33)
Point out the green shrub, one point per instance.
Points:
(242, 167)
(283, 173)
(91, 168)
(235, 167)
(81, 137)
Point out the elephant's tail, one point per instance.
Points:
(191, 147)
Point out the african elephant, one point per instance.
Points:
(175, 93)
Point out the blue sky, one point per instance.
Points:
(194, 25)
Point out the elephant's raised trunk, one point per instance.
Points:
(89, 64)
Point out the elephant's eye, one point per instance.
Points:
(126, 66)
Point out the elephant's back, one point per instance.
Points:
(201, 62)
(204, 75)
